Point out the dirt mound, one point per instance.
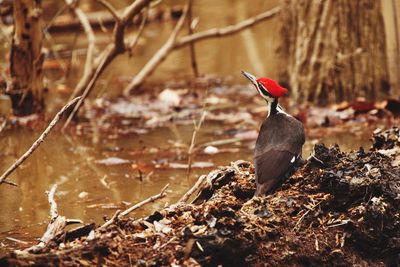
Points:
(339, 209)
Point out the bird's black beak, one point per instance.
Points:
(252, 78)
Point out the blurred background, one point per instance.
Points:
(158, 112)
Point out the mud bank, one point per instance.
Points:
(339, 209)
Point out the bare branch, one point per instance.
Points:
(196, 129)
(135, 40)
(107, 57)
(191, 46)
(101, 62)
(197, 185)
(228, 30)
(88, 69)
(38, 141)
(144, 202)
(174, 43)
(111, 9)
(159, 56)
(118, 214)
(111, 221)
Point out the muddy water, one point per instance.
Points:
(88, 190)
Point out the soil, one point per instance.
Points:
(338, 209)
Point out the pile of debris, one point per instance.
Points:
(339, 209)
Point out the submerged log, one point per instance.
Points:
(339, 209)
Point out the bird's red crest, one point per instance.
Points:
(272, 87)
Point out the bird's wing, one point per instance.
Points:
(272, 165)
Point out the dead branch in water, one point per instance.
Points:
(83, 19)
(99, 64)
(191, 25)
(110, 52)
(174, 43)
(135, 40)
(38, 141)
(56, 225)
(159, 56)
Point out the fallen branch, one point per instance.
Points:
(159, 56)
(118, 214)
(144, 202)
(56, 225)
(110, 221)
(174, 43)
(191, 25)
(36, 144)
(196, 186)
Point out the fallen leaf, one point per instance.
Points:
(112, 161)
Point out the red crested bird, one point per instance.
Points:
(279, 144)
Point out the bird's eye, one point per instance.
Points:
(263, 90)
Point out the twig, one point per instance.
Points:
(56, 55)
(112, 220)
(207, 34)
(38, 141)
(91, 43)
(228, 30)
(144, 202)
(87, 91)
(196, 129)
(17, 240)
(191, 46)
(298, 223)
(168, 242)
(196, 186)
(58, 13)
(111, 9)
(159, 56)
(3, 125)
(118, 214)
(135, 40)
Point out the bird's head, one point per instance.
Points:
(267, 88)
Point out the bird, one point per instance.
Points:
(279, 145)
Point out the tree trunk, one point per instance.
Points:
(334, 50)
(26, 58)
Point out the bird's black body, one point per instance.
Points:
(278, 149)
(280, 141)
